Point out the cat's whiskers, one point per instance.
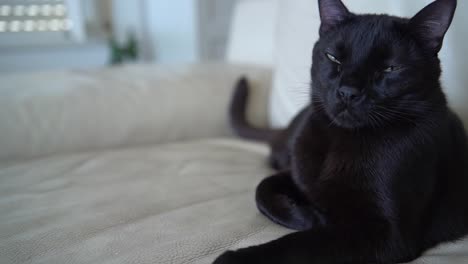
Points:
(372, 121)
(411, 106)
(381, 117)
(414, 112)
(317, 103)
(375, 120)
(407, 112)
(319, 108)
(391, 116)
(332, 122)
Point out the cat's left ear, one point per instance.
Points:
(431, 23)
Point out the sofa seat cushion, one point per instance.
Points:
(175, 203)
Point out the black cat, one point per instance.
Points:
(375, 169)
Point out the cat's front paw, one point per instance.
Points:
(229, 257)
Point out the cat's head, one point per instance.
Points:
(372, 70)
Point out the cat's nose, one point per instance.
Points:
(348, 94)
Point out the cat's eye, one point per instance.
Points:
(333, 58)
(392, 68)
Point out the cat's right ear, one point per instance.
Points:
(332, 13)
(431, 23)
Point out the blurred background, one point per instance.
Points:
(43, 35)
(55, 34)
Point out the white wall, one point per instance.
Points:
(166, 30)
(53, 57)
(253, 32)
(214, 21)
(456, 63)
(173, 27)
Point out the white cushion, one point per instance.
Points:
(297, 32)
(166, 204)
(69, 111)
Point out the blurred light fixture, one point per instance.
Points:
(33, 10)
(5, 10)
(54, 25)
(15, 26)
(41, 25)
(29, 25)
(59, 10)
(46, 10)
(34, 15)
(18, 10)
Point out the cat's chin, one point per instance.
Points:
(346, 124)
(346, 120)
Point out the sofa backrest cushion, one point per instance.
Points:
(72, 111)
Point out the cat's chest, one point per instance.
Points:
(347, 153)
(330, 154)
(327, 161)
(345, 157)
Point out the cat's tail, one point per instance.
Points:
(237, 115)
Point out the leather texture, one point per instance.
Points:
(166, 204)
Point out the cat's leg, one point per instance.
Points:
(280, 157)
(278, 198)
(327, 246)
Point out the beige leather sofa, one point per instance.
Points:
(136, 164)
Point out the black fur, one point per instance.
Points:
(375, 169)
(276, 138)
(238, 119)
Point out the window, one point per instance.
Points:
(40, 21)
